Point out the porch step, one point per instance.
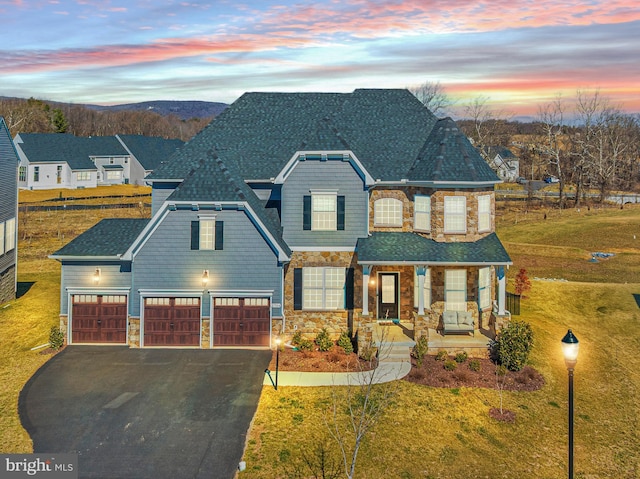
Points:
(394, 353)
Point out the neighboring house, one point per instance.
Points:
(8, 215)
(293, 212)
(53, 160)
(504, 163)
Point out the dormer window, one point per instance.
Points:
(323, 211)
(387, 212)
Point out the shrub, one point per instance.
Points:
(420, 349)
(344, 341)
(450, 365)
(513, 345)
(461, 357)
(56, 338)
(522, 282)
(474, 365)
(305, 344)
(323, 340)
(442, 355)
(297, 337)
(368, 352)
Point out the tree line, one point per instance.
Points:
(38, 116)
(587, 142)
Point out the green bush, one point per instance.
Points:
(323, 340)
(442, 355)
(344, 341)
(305, 344)
(461, 357)
(297, 337)
(450, 365)
(56, 338)
(420, 349)
(513, 345)
(368, 352)
(474, 365)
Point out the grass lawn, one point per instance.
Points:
(447, 433)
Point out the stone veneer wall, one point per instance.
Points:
(8, 284)
(64, 321)
(406, 195)
(311, 322)
(134, 332)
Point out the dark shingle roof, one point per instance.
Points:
(110, 237)
(390, 132)
(75, 151)
(412, 247)
(150, 151)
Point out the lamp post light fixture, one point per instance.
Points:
(570, 346)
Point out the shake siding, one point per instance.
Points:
(245, 263)
(324, 175)
(77, 274)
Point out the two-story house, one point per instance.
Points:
(293, 212)
(53, 160)
(8, 215)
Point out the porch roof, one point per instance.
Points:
(412, 248)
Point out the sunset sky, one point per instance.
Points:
(515, 54)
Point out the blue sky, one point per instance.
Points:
(515, 54)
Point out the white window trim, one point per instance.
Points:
(484, 216)
(2, 241)
(454, 305)
(10, 235)
(207, 239)
(426, 213)
(332, 216)
(324, 289)
(379, 212)
(484, 287)
(450, 217)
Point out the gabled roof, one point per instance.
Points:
(412, 248)
(108, 238)
(504, 152)
(75, 151)
(390, 132)
(150, 151)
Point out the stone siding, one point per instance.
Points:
(134, 332)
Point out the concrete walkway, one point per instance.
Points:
(394, 363)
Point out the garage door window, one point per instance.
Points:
(157, 301)
(85, 298)
(227, 302)
(114, 299)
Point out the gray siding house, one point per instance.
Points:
(8, 215)
(53, 160)
(296, 212)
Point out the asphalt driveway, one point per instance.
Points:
(145, 413)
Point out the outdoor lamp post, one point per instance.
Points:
(570, 345)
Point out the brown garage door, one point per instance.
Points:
(241, 322)
(99, 319)
(172, 322)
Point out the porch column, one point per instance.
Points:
(366, 271)
(421, 270)
(502, 289)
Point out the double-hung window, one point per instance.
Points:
(484, 213)
(2, 243)
(387, 212)
(323, 211)
(10, 234)
(455, 290)
(36, 173)
(206, 234)
(426, 291)
(484, 287)
(422, 213)
(323, 288)
(455, 214)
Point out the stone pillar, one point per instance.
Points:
(502, 289)
(366, 271)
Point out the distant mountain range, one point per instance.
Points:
(185, 110)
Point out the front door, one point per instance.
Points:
(388, 296)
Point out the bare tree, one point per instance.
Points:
(485, 127)
(433, 96)
(551, 118)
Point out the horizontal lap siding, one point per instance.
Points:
(8, 201)
(324, 175)
(166, 261)
(80, 275)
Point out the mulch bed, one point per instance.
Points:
(432, 373)
(334, 360)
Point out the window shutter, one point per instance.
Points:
(195, 235)
(349, 290)
(306, 213)
(340, 213)
(219, 234)
(297, 289)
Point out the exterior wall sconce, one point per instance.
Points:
(96, 276)
(205, 277)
